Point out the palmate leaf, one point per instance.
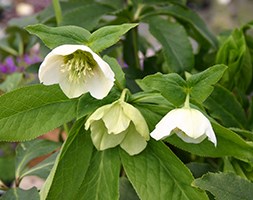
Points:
(108, 36)
(171, 86)
(201, 84)
(56, 36)
(31, 111)
(157, 173)
(177, 49)
(226, 186)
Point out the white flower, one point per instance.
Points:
(188, 123)
(121, 124)
(77, 69)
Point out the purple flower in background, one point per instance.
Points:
(29, 60)
(8, 66)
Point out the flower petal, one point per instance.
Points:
(98, 84)
(165, 126)
(101, 139)
(97, 115)
(193, 125)
(115, 119)
(49, 71)
(72, 89)
(133, 143)
(138, 120)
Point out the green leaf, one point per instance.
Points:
(192, 20)
(201, 84)
(226, 186)
(27, 151)
(19, 194)
(11, 82)
(152, 106)
(177, 49)
(224, 107)
(228, 144)
(70, 167)
(157, 173)
(108, 36)
(7, 167)
(171, 86)
(102, 178)
(31, 111)
(56, 36)
(87, 104)
(42, 169)
(235, 54)
(126, 190)
(90, 13)
(119, 74)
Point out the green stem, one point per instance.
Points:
(187, 101)
(134, 33)
(57, 11)
(123, 94)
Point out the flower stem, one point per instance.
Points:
(123, 94)
(187, 101)
(57, 11)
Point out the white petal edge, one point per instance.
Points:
(49, 71)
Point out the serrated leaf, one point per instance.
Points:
(171, 86)
(120, 80)
(30, 111)
(19, 194)
(42, 169)
(201, 84)
(90, 13)
(226, 186)
(102, 178)
(224, 107)
(177, 49)
(27, 151)
(108, 36)
(157, 173)
(228, 144)
(56, 36)
(70, 167)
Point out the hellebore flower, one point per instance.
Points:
(188, 123)
(77, 69)
(121, 124)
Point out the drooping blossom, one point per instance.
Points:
(188, 123)
(118, 123)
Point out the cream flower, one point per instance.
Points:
(188, 123)
(121, 124)
(77, 69)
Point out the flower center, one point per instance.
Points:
(78, 65)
